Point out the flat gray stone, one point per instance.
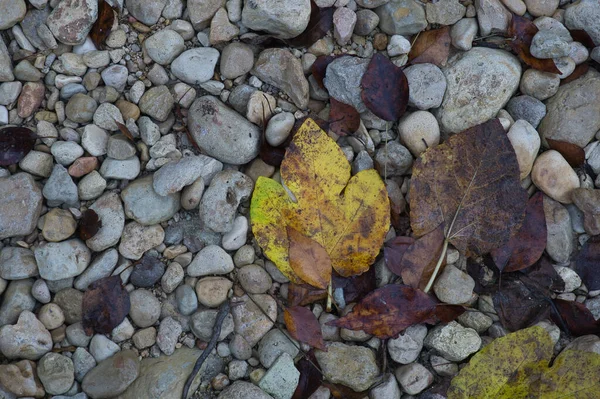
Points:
(145, 206)
(61, 260)
(20, 205)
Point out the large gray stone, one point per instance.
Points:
(284, 19)
(584, 14)
(28, 339)
(222, 133)
(61, 260)
(20, 205)
(243, 390)
(401, 17)
(196, 65)
(145, 206)
(112, 376)
(175, 175)
(72, 20)
(350, 365)
(147, 12)
(17, 263)
(15, 300)
(343, 78)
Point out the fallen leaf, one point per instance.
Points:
(125, 131)
(89, 224)
(393, 252)
(304, 294)
(310, 376)
(431, 47)
(527, 246)
(575, 317)
(344, 119)
(419, 260)
(578, 72)
(303, 326)
(15, 143)
(321, 22)
(355, 287)
(573, 154)
(105, 305)
(308, 259)
(587, 263)
(384, 88)
(348, 216)
(517, 366)
(389, 310)
(470, 185)
(521, 32)
(581, 36)
(319, 67)
(103, 25)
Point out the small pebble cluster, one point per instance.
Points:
(172, 68)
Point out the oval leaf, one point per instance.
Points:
(431, 47)
(308, 259)
(304, 326)
(344, 119)
(105, 305)
(15, 143)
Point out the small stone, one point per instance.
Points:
(60, 188)
(95, 140)
(406, 348)
(62, 260)
(187, 302)
(343, 78)
(145, 308)
(20, 206)
(413, 378)
(453, 341)
(478, 321)
(539, 8)
(221, 30)
(16, 299)
(419, 131)
(163, 46)
(70, 301)
(168, 334)
(173, 176)
(106, 116)
(112, 376)
(212, 259)
(538, 84)
(344, 20)
(110, 213)
(137, 239)
(203, 321)
(547, 44)
(387, 389)
(273, 344)
(492, 16)
(281, 380)
(213, 291)
(127, 169)
(569, 276)
(587, 201)
(360, 369)
(145, 206)
(454, 286)
(250, 322)
(144, 338)
(66, 152)
(83, 362)
(553, 175)
(584, 15)
(71, 20)
(51, 316)
(283, 19)
(56, 373)
(147, 272)
(236, 237)
(12, 13)
(172, 278)
(393, 159)
(401, 17)
(28, 339)
(20, 379)
(196, 65)
(115, 76)
(526, 143)
(527, 108)
(279, 128)
(445, 12)
(123, 331)
(30, 99)
(366, 22)
(40, 291)
(243, 389)
(157, 102)
(102, 348)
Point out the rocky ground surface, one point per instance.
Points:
(186, 214)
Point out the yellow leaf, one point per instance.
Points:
(516, 366)
(348, 216)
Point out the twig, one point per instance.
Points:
(223, 311)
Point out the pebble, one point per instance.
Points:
(222, 133)
(538, 84)
(9, 91)
(213, 291)
(203, 321)
(281, 380)
(95, 140)
(526, 143)
(110, 212)
(20, 380)
(547, 44)
(115, 76)
(553, 175)
(283, 19)
(195, 66)
(144, 338)
(393, 159)
(102, 348)
(221, 199)
(60, 188)
(279, 128)
(344, 20)
(168, 334)
(187, 302)
(569, 276)
(37, 163)
(173, 176)
(51, 316)
(59, 225)
(405, 348)
(445, 12)
(123, 331)
(273, 344)
(164, 46)
(413, 378)
(30, 99)
(419, 131)
(106, 116)
(27, 339)
(401, 17)
(366, 22)
(145, 308)
(237, 59)
(137, 239)
(77, 336)
(212, 259)
(453, 341)
(236, 237)
(40, 291)
(492, 16)
(387, 389)
(427, 85)
(584, 15)
(147, 272)
(587, 201)
(250, 322)
(360, 369)
(70, 301)
(539, 8)
(56, 373)
(454, 286)
(19, 210)
(66, 152)
(70, 21)
(60, 260)
(157, 103)
(83, 362)
(16, 299)
(12, 13)
(243, 389)
(172, 278)
(145, 206)
(112, 376)
(221, 29)
(527, 108)
(342, 80)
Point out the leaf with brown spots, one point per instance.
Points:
(321, 22)
(572, 153)
(304, 326)
(15, 143)
(347, 215)
(89, 224)
(527, 246)
(308, 259)
(521, 32)
(384, 88)
(389, 310)
(344, 119)
(431, 47)
(105, 305)
(103, 25)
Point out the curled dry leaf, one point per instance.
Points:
(384, 88)
(391, 309)
(105, 305)
(303, 326)
(527, 246)
(521, 32)
(89, 224)
(103, 25)
(321, 22)
(348, 216)
(575, 317)
(572, 153)
(431, 47)
(344, 119)
(587, 263)
(308, 259)
(15, 143)
(470, 185)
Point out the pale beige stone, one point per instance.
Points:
(553, 175)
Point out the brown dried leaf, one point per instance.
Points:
(527, 246)
(573, 154)
(105, 305)
(308, 259)
(15, 143)
(576, 317)
(587, 263)
(384, 88)
(304, 294)
(103, 25)
(419, 261)
(389, 310)
(303, 326)
(344, 119)
(470, 185)
(319, 67)
(89, 224)
(355, 287)
(431, 47)
(521, 31)
(581, 36)
(125, 131)
(579, 71)
(393, 252)
(310, 376)
(321, 22)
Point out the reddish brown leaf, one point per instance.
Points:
(522, 31)
(576, 317)
(384, 88)
(105, 305)
(125, 131)
(389, 310)
(527, 246)
(321, 22)
(344, 119)
(393, 252)
(419, 261)
(89, 224)
(587, 263)
(310, 376)
(304, 294)
(309, 260)
(573, 154)
(579, 71)
(355, 287)
(103, 25)
(446, 313)
(581, 36)
(304, 326)
(431, 47)
(15, 143)
(319, 68)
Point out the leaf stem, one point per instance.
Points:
(329, 296)
(437, 267)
